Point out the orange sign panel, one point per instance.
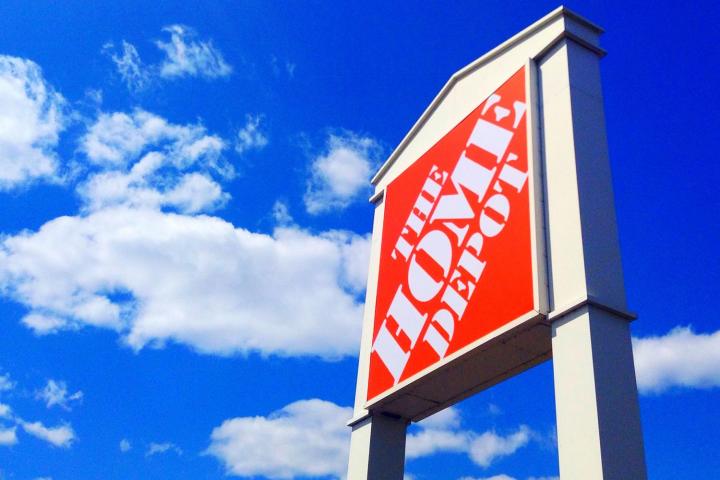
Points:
(456, 254)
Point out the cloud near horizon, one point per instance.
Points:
(310, 439)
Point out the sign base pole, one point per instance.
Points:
(598, 418)
(377, 448)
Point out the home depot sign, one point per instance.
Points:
(456, 257)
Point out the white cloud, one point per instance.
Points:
(341, 174)
(681, 358)
(251, 135)
(42, 324)
(145, 161)
(443, 434)
(60, 436)
(187, 193)
(133, 72)
(31, 119)
(155, 276)
(309, 439)
(438, 433)
(448, 418)
(306, 438)
(489, 446)
(194, 193)
(186, 56)
(55, 392)
(116, 139)
(125, 445)
(158, 448)
(8, 436)
(430, 441)
(355, 254)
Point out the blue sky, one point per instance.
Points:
(183, 193)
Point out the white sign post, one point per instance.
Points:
(578, 317)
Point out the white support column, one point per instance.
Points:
(377, 449)
(598, 419)
(377, 442)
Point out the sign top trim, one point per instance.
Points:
(561, 12)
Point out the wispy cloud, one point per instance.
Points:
(8, 436)
(251, 135)
(280, 67)
(59, 436)
(55, 392)
(6, 382)
(160, 448)
(281, 214)
(136, 75)
(125, 445)
(184, 55)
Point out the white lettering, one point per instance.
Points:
(490, 138)
(468, 174)
(390, 352)
(422, 284)
(499, 204)
(402, 246)
(409, 319)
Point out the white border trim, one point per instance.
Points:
(559, 12)
(536, 191)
